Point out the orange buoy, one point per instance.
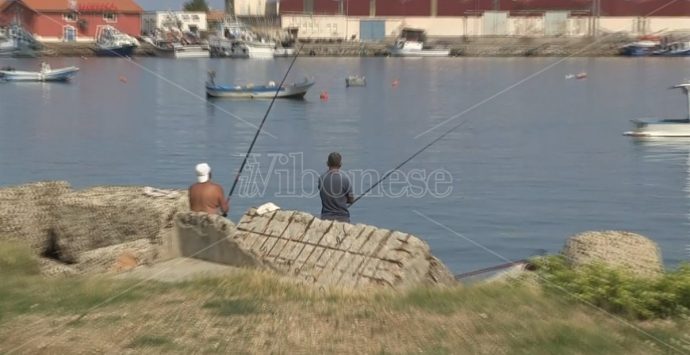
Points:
(324, 95)
(123, 79)
(395, 83)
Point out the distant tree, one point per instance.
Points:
(196, 5)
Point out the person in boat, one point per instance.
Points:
(207, 196)
(335, 191)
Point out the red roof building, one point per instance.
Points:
(71, 20)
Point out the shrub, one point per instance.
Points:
(619, 291)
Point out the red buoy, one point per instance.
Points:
(395, 83)
(324, 95)
(123, 79)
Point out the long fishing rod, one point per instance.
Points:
(251, 146)
(406, 161)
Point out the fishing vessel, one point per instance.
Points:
(178, 50)
(666, 127)
(45, 74)
(112, 43)
(674, 49)
(640, 48)
(15, 41)
(411, 44)
(250, 91)
(234, 39)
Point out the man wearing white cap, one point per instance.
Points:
(205, 195)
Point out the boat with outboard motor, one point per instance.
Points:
(46, 74)
(250, 91)
(666, 127)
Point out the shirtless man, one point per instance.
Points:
(207, 196)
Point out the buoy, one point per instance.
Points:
(83, 58)
(395, 83)
(123, 79)
(581, 75)
(324, 95)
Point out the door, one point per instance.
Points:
(495, 23)
(372, 30)
(69, 34)
(556, 23)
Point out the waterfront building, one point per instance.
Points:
(380, 19)
(71, 20)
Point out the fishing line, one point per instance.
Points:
(407, 160)
(268, 111)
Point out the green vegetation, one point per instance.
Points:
(618, 291)
(251, 311)
(196, 5)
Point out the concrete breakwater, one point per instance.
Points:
(106, 229)
(113, 229)
(469, 46)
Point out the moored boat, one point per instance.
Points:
(112, 43)
(179, 50)
(640, 48)
(665, 127)
(268, 91)
(355, 80)
(46, 74)
(411, 44)
(674, 49)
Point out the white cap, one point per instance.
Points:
(203, 172)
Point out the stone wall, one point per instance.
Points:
(314, 251)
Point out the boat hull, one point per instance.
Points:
(296, 91)
(63, 74)
(662, 128)
(122, 51)
(420, 53)
(183, 52)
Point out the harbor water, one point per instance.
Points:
(538, 157)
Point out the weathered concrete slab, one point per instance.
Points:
(27, 213)
(103, 216)
(311, 250)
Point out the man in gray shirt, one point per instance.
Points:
(335, 191)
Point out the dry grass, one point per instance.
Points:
(254, 312)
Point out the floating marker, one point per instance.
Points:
(395, 83)
(324, 95)
(123, 79)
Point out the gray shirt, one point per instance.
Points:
(334, 187)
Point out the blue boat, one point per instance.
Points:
(268, 91)
(640, 48)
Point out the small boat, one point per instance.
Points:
(411, 44)
(664, 128)
(179, 50)
(674, 49)
(355, 80)
(644, 47)
(46, 74)
(268, 91)
(112, 43)
(284, 52)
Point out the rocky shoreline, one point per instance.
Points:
(466, 47)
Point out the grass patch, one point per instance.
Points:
(233, 307)
(149, 341)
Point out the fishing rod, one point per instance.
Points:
(406, 161)
(251, 146)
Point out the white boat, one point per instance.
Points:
(268, 91)
(664, 128)
(236, 40)
(17, 42)
(46, 74)
(284, 52)
(355, 80)
(411, 44)
(179, 50)
(112, 43)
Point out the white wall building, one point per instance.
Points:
(184, 20)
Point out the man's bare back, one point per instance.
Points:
(208, 197)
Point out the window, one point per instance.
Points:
(109, 17)
(70, 17)
(185, 17)
(195, 17)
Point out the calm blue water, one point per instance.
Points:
(529, 168)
